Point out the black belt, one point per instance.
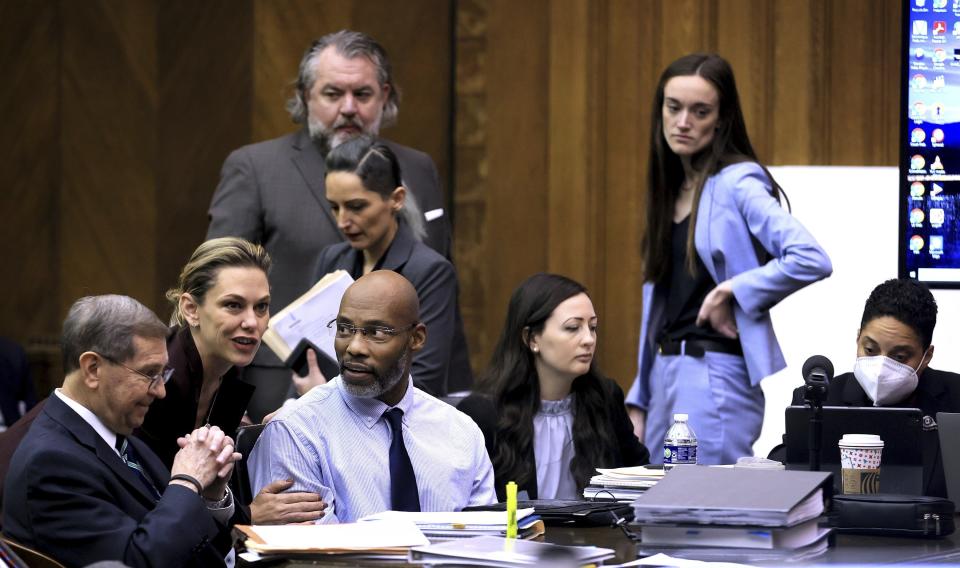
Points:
(697, 347)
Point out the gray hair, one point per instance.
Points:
(107, 325)
(349, 44)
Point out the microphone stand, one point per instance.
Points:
(814, 394)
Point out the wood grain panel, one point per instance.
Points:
(109, 121)
(798, 88)
(29, 168)
(204, 108)
(629, 84)
(515, 233)
(751, 56)
(685, 26)
(575, 114)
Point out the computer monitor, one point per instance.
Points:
(901, 464)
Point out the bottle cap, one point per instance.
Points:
(680, 417)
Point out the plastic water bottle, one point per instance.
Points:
(680, 444)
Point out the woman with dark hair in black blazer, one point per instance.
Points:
(384, 229)
(549, 417)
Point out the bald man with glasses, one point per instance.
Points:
(81, 489)
(369, 441)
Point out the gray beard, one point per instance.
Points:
(325, 137)
(382, 382)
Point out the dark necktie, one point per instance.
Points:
(403, 483)
(129, 457)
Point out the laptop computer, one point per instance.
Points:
(901, 464)
(948, 426)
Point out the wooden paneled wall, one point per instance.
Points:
(553, 114)
(117, 115)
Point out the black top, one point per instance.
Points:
(175, 414)
(685, 293)
(937, 391)
(626, 448)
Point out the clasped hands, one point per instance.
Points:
(207, 455)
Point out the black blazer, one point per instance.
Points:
(627, 449)
(274, 193)
(937, 391)
(69, 495)
(443, 365)
(175, 414)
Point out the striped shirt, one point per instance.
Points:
(338, 445)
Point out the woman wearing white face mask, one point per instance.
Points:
(892, 368)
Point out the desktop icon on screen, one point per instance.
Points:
(936, 136)
(919, 81)
(919, 3)
(937, 165)
(935, 192)
(916, 216)
(920, 27)
(936, 245)
(939, 82)
(918, 111)
(916, 190)
(939, 27)
(917, 136)
(917, 162)
(936, 217)
(937, 111)
(939, 4)
(916, 243)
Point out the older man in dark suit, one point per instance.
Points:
(273, 192)
(82, 490)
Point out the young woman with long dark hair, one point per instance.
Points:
(549, 417)
(719, 251)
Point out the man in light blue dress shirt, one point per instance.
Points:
(336, 440)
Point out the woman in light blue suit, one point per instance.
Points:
(719, 252)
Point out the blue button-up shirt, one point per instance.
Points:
(338, 445)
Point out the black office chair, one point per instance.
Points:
(245, 439)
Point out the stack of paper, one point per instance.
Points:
(622, 484)
(380, 538)
(438, 526)
(740, 508)
(307, 317)
(494, 551)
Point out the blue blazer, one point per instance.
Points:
(443, 365)
(736, 209)
(69, 495)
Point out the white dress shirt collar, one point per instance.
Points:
(90, 418)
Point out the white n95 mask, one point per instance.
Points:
(884, 380)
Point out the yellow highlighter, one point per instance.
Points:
(512, 509)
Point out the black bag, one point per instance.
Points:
(892, 515)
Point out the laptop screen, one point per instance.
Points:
(901, 464)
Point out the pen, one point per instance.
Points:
(512, 509)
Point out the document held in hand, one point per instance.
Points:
(307, 317)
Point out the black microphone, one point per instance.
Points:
(817, 374)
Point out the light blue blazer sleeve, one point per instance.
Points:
(735, 208)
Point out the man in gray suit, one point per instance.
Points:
(273, 192)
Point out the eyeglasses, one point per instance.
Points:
(161, 377)
(373, 333)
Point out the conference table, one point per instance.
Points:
(847, 549)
